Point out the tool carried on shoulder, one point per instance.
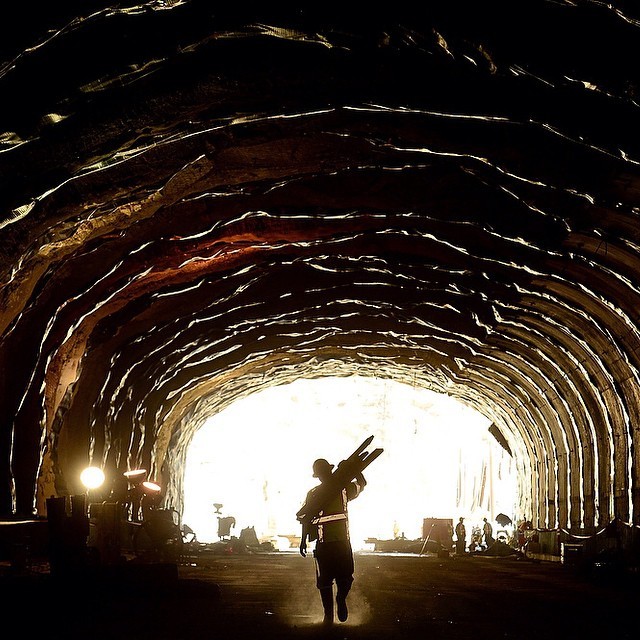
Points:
(342, 475)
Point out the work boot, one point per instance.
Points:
(341, 602)
(327, 604)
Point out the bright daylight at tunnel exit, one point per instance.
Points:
(250, 465)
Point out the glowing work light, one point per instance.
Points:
(92, 477)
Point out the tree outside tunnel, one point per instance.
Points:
(254, 458)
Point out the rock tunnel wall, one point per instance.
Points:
(198, 203)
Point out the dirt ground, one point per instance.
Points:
(272, 595)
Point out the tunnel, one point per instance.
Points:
(202, 201)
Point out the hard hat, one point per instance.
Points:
(321, 465)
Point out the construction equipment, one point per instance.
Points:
(342, 475)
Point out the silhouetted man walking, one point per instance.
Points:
(329, 527)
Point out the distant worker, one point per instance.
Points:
(461, 535)
(487, 532)
(329, 527)
(523, 526)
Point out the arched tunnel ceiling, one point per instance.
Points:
(199, 202)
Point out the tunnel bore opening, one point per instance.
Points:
(251, 463)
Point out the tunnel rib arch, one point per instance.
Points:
(253, 198)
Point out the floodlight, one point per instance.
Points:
(92, 477)
(135, 475)
(151, 488)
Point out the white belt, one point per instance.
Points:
(331, 518)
